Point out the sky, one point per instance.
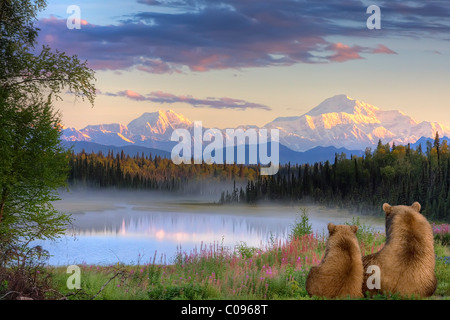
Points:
(235, 62)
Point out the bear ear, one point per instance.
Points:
(354, 228)
(387, 208)
(331, 228)
(416, 206)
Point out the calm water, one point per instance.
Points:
(111, 228)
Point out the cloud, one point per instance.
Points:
(344, 52)
(210, 102)
(132, 95)
(383, 49)
(150, 2)
(204, 35)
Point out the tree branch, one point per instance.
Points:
(106, 283)
(37, 79)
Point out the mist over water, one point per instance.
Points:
(134, 227)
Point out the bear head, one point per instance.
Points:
(332, 228)
(402, 215)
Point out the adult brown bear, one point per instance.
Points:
(341, 271)
(406, 262)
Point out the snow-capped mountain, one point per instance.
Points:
(158, 124)
(343, 122)
(339, 121)
(150, 130)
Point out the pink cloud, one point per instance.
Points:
(344, 52)
(161, 94)
(383, 49)
(131, 95)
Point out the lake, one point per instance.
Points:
(134, 227)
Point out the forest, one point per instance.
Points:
(395, 174)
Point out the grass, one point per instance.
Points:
(276, 271)
(212, 272)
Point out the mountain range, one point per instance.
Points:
(339, 122)
(343, 122)
(286, 155)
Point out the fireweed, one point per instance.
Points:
(272, 271)
(441, 233)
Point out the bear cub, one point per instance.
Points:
(340, 273)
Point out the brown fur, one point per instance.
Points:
(407, 259)
(341, 270)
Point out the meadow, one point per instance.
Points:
(276, 271)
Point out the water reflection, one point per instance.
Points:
(133, 233)
(179, 226)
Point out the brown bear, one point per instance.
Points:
(406, 261)
(339, 273)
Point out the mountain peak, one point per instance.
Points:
(163, 115)
(175, 118)
(158, 122)
(338, 103)
(341, 121)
